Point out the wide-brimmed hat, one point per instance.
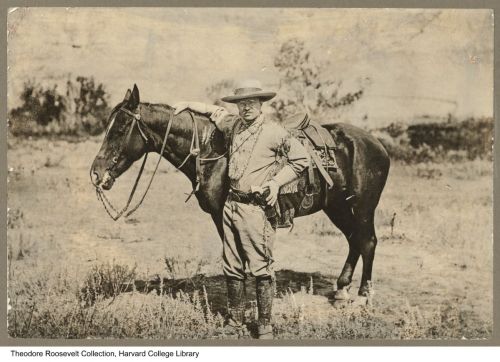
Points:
(249, 89)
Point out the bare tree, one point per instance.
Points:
(305, 86)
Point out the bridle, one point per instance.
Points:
(194, 151)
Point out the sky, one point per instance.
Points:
(419, 62)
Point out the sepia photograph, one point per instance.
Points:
(247, 174)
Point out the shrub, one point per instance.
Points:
(45, 303)
(472, 135)
(50, 304)
(106, 281)
(80, 109)
(450, 141)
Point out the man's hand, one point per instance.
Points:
(195, 106)
(180, 106)
(274, 189)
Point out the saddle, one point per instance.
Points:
(321, 146)
(318, 135)
(318, 142)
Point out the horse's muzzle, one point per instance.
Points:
(107, 181)
(94, 178)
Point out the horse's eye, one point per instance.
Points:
(115, 159)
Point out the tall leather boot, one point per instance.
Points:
(235, 302)
(265, 294)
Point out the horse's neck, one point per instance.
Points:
(178, 144)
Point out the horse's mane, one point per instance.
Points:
(159, 105)
(160, 112)
(164, 106)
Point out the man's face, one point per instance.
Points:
(249, 108)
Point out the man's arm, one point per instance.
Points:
(297, 161)
(222, 119)
(199, 107)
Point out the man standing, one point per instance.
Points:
(255, 148)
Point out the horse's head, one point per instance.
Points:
(124, 142)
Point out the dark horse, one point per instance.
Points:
(363, 168)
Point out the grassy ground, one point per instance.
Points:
(432, 270)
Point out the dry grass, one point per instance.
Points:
(51, 306)
(432, 273)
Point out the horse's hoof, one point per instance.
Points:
(342, 298)
(340, 304)
(342, 294)
(367, 290)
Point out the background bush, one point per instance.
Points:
(448, 141)
(80, 109)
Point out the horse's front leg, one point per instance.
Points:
(211, 200)
(217, 219)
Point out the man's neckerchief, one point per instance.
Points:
(244, 140)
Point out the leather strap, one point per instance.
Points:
(100, 193)
(310, 170)
(329, 154)
(322, 139)
(317, 161)
(194, 150)
(242, 197)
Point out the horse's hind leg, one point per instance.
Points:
(360, 234)
(367, 242)
(343, 218)
(345, 278)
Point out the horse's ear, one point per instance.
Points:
(127, 95)
(134, 99)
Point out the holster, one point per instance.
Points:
(270, 211)
(256, 198)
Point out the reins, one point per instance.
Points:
(108, 206)
(194, 151)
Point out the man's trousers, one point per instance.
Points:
(248, 241)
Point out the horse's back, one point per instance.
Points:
(363, 161)
(361, 139)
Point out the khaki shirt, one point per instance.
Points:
(259, 151)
